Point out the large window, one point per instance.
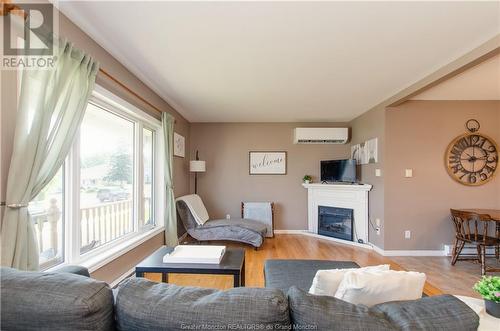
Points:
(104, 196)
(106, 177)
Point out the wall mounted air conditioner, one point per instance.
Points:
(320, 135)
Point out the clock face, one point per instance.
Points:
(472, 159)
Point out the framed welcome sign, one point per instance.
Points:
(267, 163)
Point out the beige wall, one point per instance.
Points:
(117, 70)
(367, 126)
(119, 266)
(480, 82)
(225, 147)
(417, 135)
(110, 64)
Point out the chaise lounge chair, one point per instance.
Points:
(194, 217)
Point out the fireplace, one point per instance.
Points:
(353, 197)
(335, 222)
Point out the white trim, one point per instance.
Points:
(138, 179)
(97, 261)
(318, 236)
(340, 187)
(467, 250)
(126, 274)
(72, 203)
(106, 98)
(348, 196)
(102, 259)
(377, 249)
(290, 231)
(159, 179)
(420, 252)
(370, 246)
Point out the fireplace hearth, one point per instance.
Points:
(335, 222)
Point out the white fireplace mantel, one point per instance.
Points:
(352, 196)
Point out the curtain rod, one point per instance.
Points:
(125, 87)
(10, 8)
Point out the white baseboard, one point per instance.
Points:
(368, 245)
(467, 250)
(419, 252)
(445, 252)
(122, 277)
(338, 241)
(290, 231)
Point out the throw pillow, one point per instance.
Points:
(326, 282)
(373, 287)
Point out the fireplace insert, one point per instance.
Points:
(335, 222)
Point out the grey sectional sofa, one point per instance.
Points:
(66, 301)
(284, 274)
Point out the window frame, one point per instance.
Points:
(152, 202)
(105, 253)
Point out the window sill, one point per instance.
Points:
(95, 262)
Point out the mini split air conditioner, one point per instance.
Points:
(320, 135)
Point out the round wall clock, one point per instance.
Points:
(472, 158)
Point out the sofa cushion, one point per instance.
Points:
(255, 226)
(443, 312)
(283, 274)
(145, 305)
(54, 301)
(74, 269)
(314, 312)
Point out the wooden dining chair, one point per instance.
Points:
(472, 228)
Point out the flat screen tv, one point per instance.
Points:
(335, 171)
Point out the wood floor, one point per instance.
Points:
(441, 276)
(457, 279)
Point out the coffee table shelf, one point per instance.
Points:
(233, 263)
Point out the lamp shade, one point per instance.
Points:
(197, 166)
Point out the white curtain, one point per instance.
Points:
(171, 238)
(51, 107)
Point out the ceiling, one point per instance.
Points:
(283, 61)
(481, 82)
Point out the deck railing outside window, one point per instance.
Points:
(99, 224)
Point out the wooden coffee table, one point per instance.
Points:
(233, 263)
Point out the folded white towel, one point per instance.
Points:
(196, 207)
